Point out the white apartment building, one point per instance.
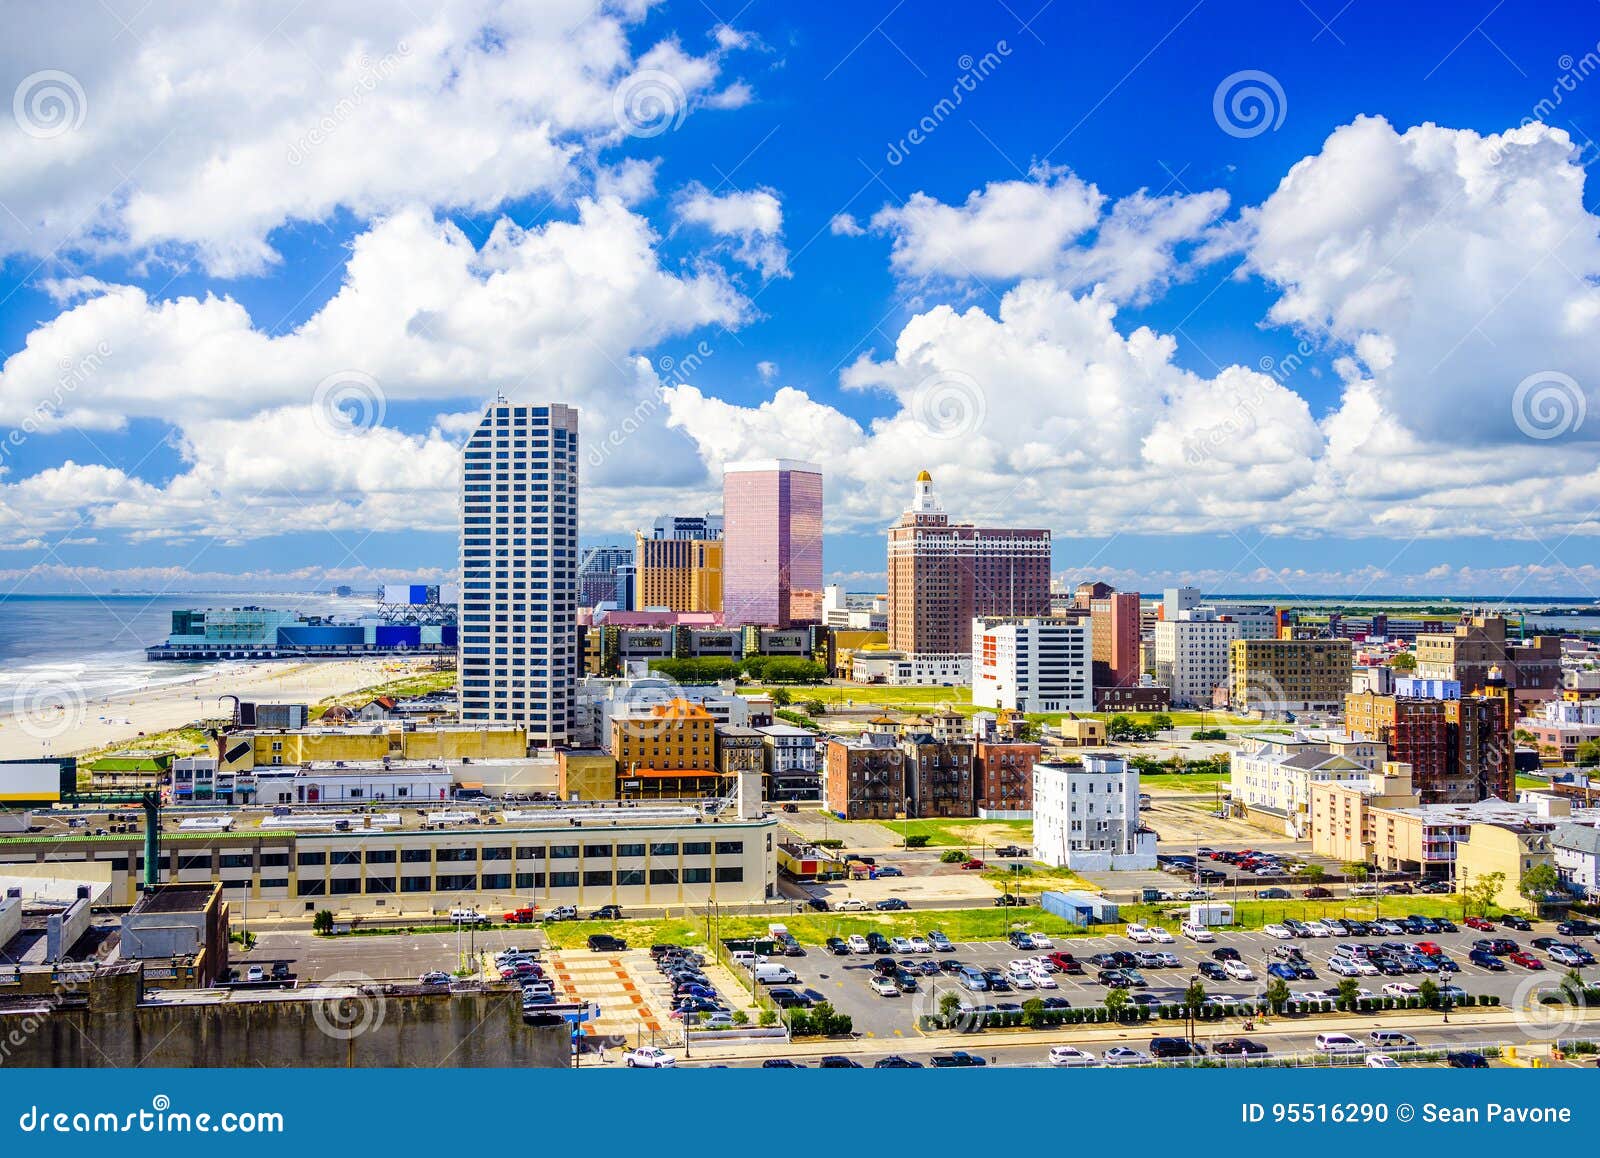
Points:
(1572, 711)
(1033, 665)
(1086, 816)
(1176, 600)
(1271, 776)
(518, 631)
(854, 612)
(1577, 855)
(1191, 655)
(1255, 620)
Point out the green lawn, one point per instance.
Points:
(948, 833)
(1253, 914)
(862, 695)
(1196, 782)
(1532, 781)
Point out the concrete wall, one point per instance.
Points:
(458, 1030)
(64, 930)
(10, 919)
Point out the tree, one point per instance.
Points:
(322, 922)
(1117, 1003)
(1194, 996)
(949, 1008)
(1404, 662)
(1539, 882)
(1277, 994)
(813, 707)
(1429, 992)
(1119, 727)
(1349, 990)
(781, 697)
(1313, 873)
(1483, 891)
(1356, 870)
(1161, 722)
(1588, 753)
(1033, 1013)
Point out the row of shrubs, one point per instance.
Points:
(1588, 996)
(1133, 1014)
(821, 1020)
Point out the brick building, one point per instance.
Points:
(1003, 771)
(866, 776)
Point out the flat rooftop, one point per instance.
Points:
(173, 899)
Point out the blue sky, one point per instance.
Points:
(251, 298)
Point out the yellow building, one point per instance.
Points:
(678, 574)
(1342, 811)
(1085, 733)
(667, 752)
(586, 774)
(242, 751)
(1509, 850)
(1275, 676)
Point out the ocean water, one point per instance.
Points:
(96, 642)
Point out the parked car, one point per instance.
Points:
(956, 1059)
(849, 905)
(1168, 1047)
(1526, 960)
(1486, 960)
(837, 947)
(1237, 1046)
(1512, 921)
(1063, 1056)
(1318, 893)
(940, 943)
(1121, 1055)
(1273, 895)
(1381, 1061)
(607, 913)
(1338, 1043)
(648, 1057)
(884, 987)
(1466, 1060)
(606, 943)
(434, 978)
(1482, 924)
(896, 1062)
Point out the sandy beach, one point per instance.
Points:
(63, 723)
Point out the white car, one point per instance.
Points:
(1279, 931)
(1238, 970)
(850, 905)
(1139, 933)
(1344, 967)
(1043, 941)
(1021, 979)
(1043, 980)
(1338, 1043)
(1160, 936)
(648, 1057)
(1381, 1061)
(899, 945)
(883, 987)
(1071, 1055)
(1307, 997)
(1318, 929)
(1043, 965)
(1121, 1055)
(919, 945)
(1400, 989)
(857, 943)
(1197, 932)
(1365, 968)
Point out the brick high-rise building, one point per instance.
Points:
(678, 574)
(1460, 751)
(1478, 644)
(772, 543)
(1114, 626)
(943, 574)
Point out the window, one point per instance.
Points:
(563, 852)
(697, 848)
(235, 860)
(345, 886)
(274, 882)
(311, 889)
(530, 880)
(627, 877)
(311, 858)
(563, 880)
(630, 850)
(663, 876)
(455, 882)
(346, 856)
(530, 852)
(497, 854)
(730, 847)
(492, 881)
(380, 884)
(416, 856)
(597, 877)
(696, 876)
(199, 860)
(380, 856)
(664, 849)
(274, 860)
(455, 855)
(414, 884)
(599, 850)
(727, 875)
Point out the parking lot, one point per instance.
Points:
(845, 981)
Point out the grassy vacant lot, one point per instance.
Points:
(985, 924)
(185, 741)
(1197, 782)
(416, 684)
(1252, 914)
(960, 833)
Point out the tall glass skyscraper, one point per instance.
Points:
(518, 627)
(772, 543)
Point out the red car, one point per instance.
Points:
(1526, 960)
(1480, 924)
(1066, 962)
(973, 864)
(1429, 949)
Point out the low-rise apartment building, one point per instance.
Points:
(1086, 816)
(1271, 777)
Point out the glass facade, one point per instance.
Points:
(772, 546)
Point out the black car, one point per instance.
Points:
(607, 913)
(781, 1063)
(1020, 940)
(820, 904)
(896, 1062)
(1237, 1046)
(891, 904)
(877, 943)
(1226, 954)
(835, 1061)
(1466, 1060)
(606, 943)
(1161, 1047)
(1007, 900)
(1211, 971)
(837, 947)
(949, 966)
(1520, 924)
(1057, 1003)
(787, 999)
(1577, 929)
(1444, 925)
(886, 966)
(959, 1059)
(1114, 978)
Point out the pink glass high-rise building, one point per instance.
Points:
(772, 543)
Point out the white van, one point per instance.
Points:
(1338, 1043)
(774, 974)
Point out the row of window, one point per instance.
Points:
(380, 856)
(503, 882)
